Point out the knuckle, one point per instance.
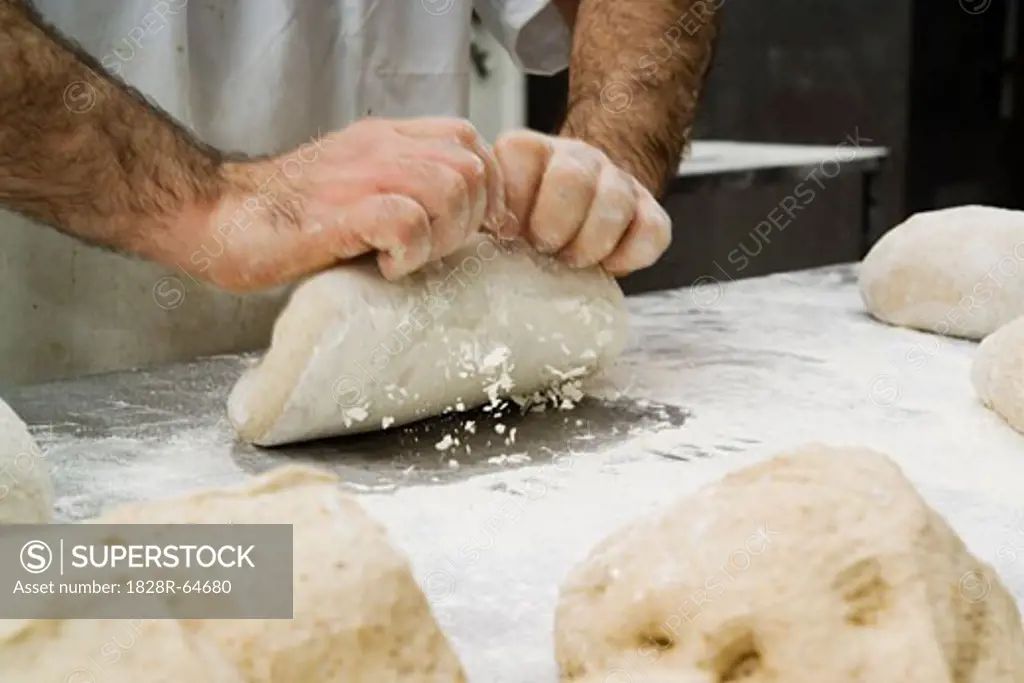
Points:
(620, 181)
(582, 169)
(506, 146)
(595, 156)
(395, 207)
(521, 141)
(411, 229)
(564, 178)
(466, 132)
(660, 224)
(473, 169)
(399, 216)
(583, 150)
(451, 185)
(616, 203)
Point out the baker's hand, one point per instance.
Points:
(571, 200)
(411, 190)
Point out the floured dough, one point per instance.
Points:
(822, 564)
(109, 651)
(956, 271)
(352, 352)
(26, 491)
(358, 613)
(998, 373)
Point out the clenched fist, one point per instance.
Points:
(410, 190)
(571, 200)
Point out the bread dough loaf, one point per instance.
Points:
(823, 564)
(358, 613)
(956, 271)
(26, 490)
(998, 373)
(352, 352)
(108, 651)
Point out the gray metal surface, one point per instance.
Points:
(156, 420)
(761, 365)
(718, 157)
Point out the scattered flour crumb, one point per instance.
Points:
(495, 357)
(509, 459)
(354, 414)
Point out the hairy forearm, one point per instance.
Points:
(635, 77)
(85, 153)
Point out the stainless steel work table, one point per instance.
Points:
(761, 364)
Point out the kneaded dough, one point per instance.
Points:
(359, 614)
(352, 352)
(109, 651)
(822, 564)
(955, 271)
(998, 373)
(26, 490)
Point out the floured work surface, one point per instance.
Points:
(121, 437)
(762, 364)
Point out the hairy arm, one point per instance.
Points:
(85, 153)
(635, 76)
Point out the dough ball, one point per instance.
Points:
(822, 564)
(109, 651)
(26, 491)
(998, 373)
(358, 613)
(956, 271)
(352, 352)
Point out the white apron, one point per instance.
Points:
(256, 76)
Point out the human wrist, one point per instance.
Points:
(174, 238)
(625, 143)
(198, 240)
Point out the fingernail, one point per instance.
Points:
(508, 228)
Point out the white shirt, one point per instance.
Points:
(255, 76)
(262, 76)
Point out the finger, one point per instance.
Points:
(465, 133)
(394, 225)
(437, 188)
(473, 172)
(523, 156)
(567, 190)
(610, 215)
(647, 238)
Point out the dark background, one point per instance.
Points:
(929, 80)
